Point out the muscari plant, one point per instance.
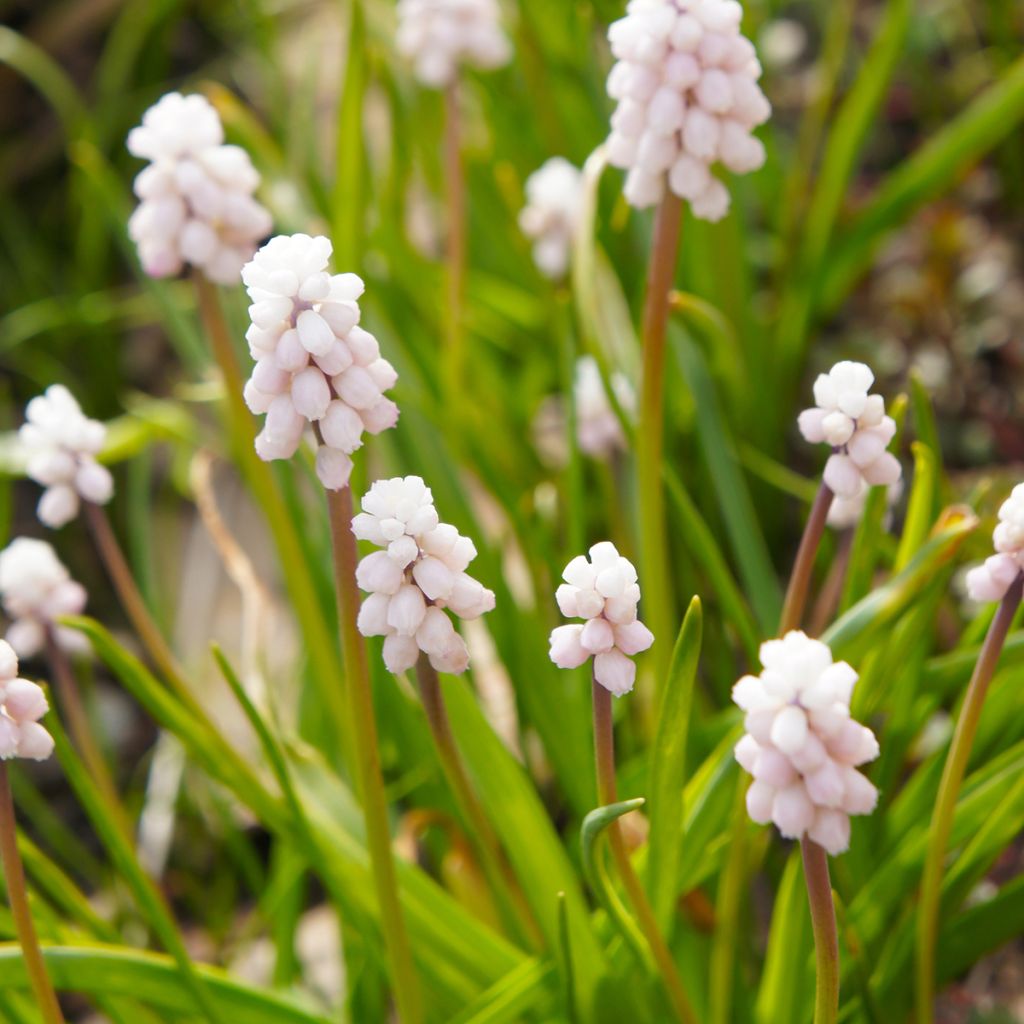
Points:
(462, 848)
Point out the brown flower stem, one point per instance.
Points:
(17, 895)
(945, 803)
(803, 567)
(367, 758)
(604, 756)
(455, 246)
(500, 876)
(826, 937)
(831, 590)
(81, 730)
(651, 425)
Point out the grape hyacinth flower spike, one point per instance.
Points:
(314, 363)
(801, 745)
(686, 83)
(554, 195)
(604, 591)
(61, 444)
(196, 204)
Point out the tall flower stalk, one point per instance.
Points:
(999, 579)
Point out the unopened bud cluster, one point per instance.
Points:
(991, 581)
(418, 575)
(801, 745)
(314, 363)
(22, 704)
(60, 444)
(853, 422)
(604, 591)
(553, 196)
(196, 196)
(687, 92)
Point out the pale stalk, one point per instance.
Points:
(826, 936)
(367, 759)
(604, 756)
(803, 568)
(651, 425)
(17, 896)
(945, 804)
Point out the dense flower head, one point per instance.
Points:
(441, 35)
(991, 580)
(35, 589)
(801, 745)
(553, 200)
(22, 704)
(314, 363)
(420, 573)
(603, 590)
(598, 430)
(853, 422)
(686, 85)
(196, 196)
(60, 444)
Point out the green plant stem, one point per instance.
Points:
(17, 895)
(482, 835)
(945, 803)
(455, 246)
(654, 557)
(604, 755)
(81, 729)
(803, 567)
(367, 757)
(826, 936)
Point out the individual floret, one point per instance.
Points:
(553, 201)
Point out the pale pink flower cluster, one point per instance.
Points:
(554, 196)
(687, 92)
(801, 745)
(196, 196)
(22, 704)
(991, 580)
(853, 422)
(420, 572)
(314, 363)
(598, 430)
(60, 444)
(604, 591)
(35, 589)
(439, 36)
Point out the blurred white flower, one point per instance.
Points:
(604, 591)
(60, 444)
(22, 704)
(598, 430)
(553, 198)
(441, 35)
(991, 580)
(314, 363)
(196, 196)
(686, 85)
(854, 424)
(420, 572)
(801, 745)
(846, 512)
(35, 589)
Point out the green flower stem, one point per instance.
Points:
(604, 754)
(367, 757)
(945, 804)
(455, 247)
(654, 559)
(803, 567)
(17, 895)
(826, 936)
(482, 835)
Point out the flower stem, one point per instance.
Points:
(367, 758)
(826, 937)
(455, 246)
(17, 895)
(503, 881)
(654, 558)
(604, 755)
(945, 803)
(803, 567)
